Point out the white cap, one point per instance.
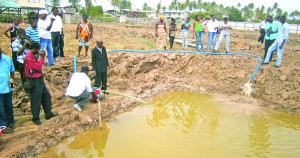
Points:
(43, 12)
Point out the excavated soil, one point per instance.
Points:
(147, 75)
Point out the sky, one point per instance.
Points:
(285, 5)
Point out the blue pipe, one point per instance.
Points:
(75, 63)
(193, 52)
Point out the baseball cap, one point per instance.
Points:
(84, 69)
(43, 12)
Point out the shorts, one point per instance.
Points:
(84, 44)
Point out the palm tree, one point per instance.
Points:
(279, 12)
(270, 11)
(115, 3)
(239, 5)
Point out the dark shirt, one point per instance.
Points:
(13, 32)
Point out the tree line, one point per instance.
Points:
(238, 12)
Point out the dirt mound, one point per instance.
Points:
(146, 75)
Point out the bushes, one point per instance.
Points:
(95, 11)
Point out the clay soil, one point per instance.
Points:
(147, 75)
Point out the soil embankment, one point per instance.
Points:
(146, 75)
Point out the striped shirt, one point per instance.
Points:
(33, 34)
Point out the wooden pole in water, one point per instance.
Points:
(99, 112)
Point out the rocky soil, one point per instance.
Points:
(147, 75)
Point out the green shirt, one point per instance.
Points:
(198, 27)
(274, 25)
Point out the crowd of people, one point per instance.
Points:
(273, 32)
(45, 37)
(30, 47)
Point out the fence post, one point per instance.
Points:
(297, 29)
(253, 26)
(245, 25)
(235, 24)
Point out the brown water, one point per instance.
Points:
(188, 125)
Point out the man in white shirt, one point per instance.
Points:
(282, 37)
(80, 88)
(212, 27)
(56, 31)
(44, 26)
(225, 32)
(262, 31)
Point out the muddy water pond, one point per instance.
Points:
(187, 125)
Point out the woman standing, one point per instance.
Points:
(172, 29)
(185, 32)
(198, 32)
(160, 33)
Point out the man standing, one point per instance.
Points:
(100, 64)
(32, 31)
(39, 94)
(212, 27)
(84, 34)
(62, 40)
(56, 30)
(262, 31)
(225, 32)
(283, 34)
(161, 33)
(44, 26)
(6, 107)
(271, 34)
(80, 88)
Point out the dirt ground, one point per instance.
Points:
(147, 75)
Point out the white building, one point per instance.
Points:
(176, 14)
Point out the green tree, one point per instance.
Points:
(55, 3)
(95, 11)
(279, 12)
(115, 3)
(235, 14)
(125, 4)
(146, 7)
(75, 4)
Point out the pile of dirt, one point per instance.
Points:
(147, 75)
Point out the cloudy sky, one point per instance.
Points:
(286, 5)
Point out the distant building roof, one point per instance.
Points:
(9, 4)
(175, 11)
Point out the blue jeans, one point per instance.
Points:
(212, 37)
(83, 98)
(6, 109)
(46, 44)
(199, 38)
(274, 47)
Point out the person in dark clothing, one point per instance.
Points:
(100, 64)
(39, 94)
(262, 31)
(13, 28)
(61, 41)
(172, 30)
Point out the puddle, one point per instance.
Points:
(191, 125)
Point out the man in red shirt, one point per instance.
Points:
(39, 94)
